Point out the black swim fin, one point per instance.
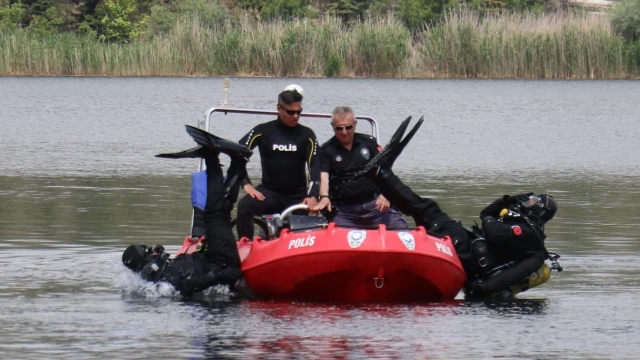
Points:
(397, 136)
(213, 142)
(196, 152)
(385, 158)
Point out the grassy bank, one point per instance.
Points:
(464, 45)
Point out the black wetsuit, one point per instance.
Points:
(511, 238)
(192, 273)
(220, 263)
(286, 154)
(504, 244)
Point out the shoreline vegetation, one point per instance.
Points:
(464, 44)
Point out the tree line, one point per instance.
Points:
(125, 20)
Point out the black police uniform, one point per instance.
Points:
(286, 153)
(341, 163)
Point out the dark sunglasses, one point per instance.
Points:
(292, 112)
(340, 128)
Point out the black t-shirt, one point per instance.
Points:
(285, 152)
(340, 163)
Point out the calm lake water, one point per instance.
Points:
(79, 183)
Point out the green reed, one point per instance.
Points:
(464, 44)
(523, 46)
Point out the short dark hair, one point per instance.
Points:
(289, 97)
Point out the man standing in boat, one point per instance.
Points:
(287, 151)
(357, 202)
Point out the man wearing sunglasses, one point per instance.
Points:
(357, 202)
(287, 151)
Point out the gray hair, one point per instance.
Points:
(341, 111)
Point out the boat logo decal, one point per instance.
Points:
(302, 242)
(407, 240)
(356, 238)
(365, 153)
(444, 249)
(338, 158)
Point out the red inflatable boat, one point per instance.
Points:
(306, 258)
(337, 264)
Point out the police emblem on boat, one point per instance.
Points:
(407, 240)
(356, 238)
(338, 158)
(365, 153)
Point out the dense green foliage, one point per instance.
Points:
(124, 20)
(391, 38)
(626, 19)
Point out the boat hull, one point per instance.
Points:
(352, 265)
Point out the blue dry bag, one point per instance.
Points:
(199, 189)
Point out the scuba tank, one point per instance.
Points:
(537, 278)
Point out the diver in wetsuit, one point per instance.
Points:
(286, 148)
(220, 263)
(512, 235)
(513, 227)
